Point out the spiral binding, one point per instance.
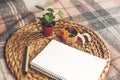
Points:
(46, 72)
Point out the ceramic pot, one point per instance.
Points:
(48, 31)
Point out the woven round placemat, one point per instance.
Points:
(32, 35)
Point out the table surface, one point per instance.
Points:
(32, 35)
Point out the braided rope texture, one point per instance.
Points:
(32, 35)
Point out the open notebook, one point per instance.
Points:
(63, 62)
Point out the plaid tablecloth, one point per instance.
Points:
(103, 16)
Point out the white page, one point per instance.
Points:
(70, 63)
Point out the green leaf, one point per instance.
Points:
(42, 20)
(52, 23)
(39, 7)
(50, 15)
(48, 19)
(60, 13)
(50, 10)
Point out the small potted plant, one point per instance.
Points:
(69, 34)
(48, 19)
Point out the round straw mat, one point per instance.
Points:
(32, 35)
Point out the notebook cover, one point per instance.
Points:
(61, 61)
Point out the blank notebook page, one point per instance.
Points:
(68, 62)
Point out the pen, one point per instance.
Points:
(27, 59)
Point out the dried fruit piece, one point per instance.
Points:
(65, 33)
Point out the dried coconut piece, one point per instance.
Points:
(88, 36)
(82, 38)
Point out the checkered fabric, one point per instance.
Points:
(103, 16)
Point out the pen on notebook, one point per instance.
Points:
(27, 59)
